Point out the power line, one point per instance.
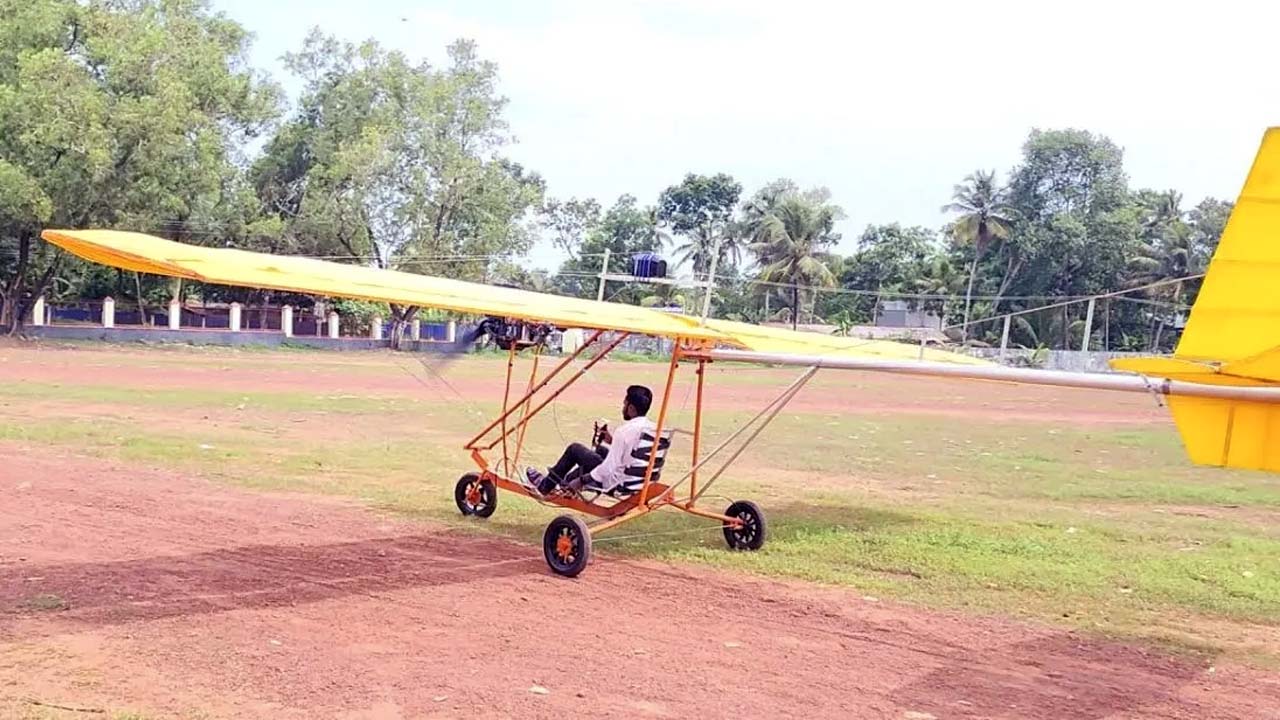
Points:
(1108, 295)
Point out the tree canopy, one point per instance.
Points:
(145, 115)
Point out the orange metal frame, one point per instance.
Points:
(652, 495)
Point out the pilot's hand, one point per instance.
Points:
(605, 435)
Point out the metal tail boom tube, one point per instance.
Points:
(1096, 381)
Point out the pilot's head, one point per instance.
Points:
(636, 402)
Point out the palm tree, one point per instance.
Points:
(985, 217)
(1167, 257)
(791, 242)
(697, 249)
(937, 277)
(1162, 211)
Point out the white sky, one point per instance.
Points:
(888, 104)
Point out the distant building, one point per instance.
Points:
(899, 314)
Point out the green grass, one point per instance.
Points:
(1109, 529)
(188, 398)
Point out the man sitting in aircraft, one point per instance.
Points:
(600, 468)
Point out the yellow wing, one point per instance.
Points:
(768, 339)
(149, 254)
(145, 253)
(1233, 334)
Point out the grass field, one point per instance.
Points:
(1077, 509)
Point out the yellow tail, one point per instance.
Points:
(1233, 334)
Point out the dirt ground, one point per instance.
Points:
(129, 588)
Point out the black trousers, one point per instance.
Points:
(576, 460)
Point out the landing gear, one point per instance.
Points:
(749, 533)
(567, 545)
(476, 496)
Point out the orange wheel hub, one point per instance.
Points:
(564, 547)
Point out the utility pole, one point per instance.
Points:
(604, 270)
(1088, 325)
(711, 282)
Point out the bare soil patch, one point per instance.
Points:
(176, 596)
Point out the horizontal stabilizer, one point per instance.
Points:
(1162, 367)
(1263, 366)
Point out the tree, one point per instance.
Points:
(700, 209)
(116, 114)
(985, 217)
(1075, 223)
(1208, 220)
(569, 221)
(889, 258)
(937, 276)
(792, 242)
(624, 230)
(1165, 255)
(398, 165)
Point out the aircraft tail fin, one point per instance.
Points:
(1237, 311)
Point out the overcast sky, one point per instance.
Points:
(888, 105)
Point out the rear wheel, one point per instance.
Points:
(475, 495)
(567, 545)
(749, 532)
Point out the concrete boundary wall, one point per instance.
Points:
(243, 338)
(1070, 360)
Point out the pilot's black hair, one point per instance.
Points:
(640, 398)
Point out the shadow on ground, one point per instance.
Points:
(255, 577)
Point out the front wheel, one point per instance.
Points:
(749, 533)
(567, 545)
(475, 495)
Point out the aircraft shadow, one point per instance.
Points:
(255, 577)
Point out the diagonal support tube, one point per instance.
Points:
(777, 408)
(771, 410)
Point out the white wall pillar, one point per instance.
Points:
(1088, 325)
(175, 315)
(1004, 336)
(37, 312)
(108, 313)
(235, 317)
(451, 331)
(286, 320)
(333, 325)
(375, 327)
(415, 329)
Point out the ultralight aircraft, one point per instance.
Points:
(1221, 382)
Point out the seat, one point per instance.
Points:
(636, 466)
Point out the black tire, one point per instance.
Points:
(751, 534)
(566, 545)
(475, 496)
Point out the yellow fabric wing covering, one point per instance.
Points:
(1233, 334)
(779, 340)
(223, 266)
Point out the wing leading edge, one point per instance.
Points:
(223, 266)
